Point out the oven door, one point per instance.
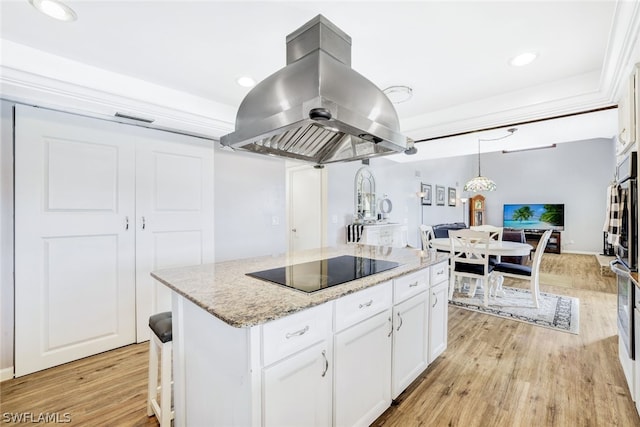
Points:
(626, 301)
(627, 251)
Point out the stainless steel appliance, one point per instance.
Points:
(321, 274)
(627, 252)
(626, 299)
(318, 108)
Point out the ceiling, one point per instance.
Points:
(454, 54)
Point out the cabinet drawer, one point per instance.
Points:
(358, 306)
(370, 237)
(439, 273)
(290, 334)
(409, 285)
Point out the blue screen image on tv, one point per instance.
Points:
(534, 216)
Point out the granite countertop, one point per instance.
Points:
(224, 290)
(634, 278)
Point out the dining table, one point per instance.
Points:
(496, 247)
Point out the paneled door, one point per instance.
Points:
(306, 214)
(174, 216)
(74, 238)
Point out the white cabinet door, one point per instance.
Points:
(297, 390)
(627, 116)
(636, 371)
(410, 341)
(438, 320)
(362, 381)
(74, 238)
(174, 216)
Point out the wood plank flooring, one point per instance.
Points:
(495, 372)
(498, 372)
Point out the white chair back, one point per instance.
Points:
(494, 232)
(426, 235)
(534, 277)
(469, 247)
(470, 258)
(537, 255)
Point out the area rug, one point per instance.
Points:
(557, 312)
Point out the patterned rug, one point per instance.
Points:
(556, 312)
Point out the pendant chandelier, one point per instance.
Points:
(482, 183)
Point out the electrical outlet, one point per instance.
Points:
(275, 220)
(334, 219)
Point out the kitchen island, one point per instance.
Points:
(251, 352)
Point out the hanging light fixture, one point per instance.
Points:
(482, 183)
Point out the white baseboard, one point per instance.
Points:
(6, 374)
(579, 252)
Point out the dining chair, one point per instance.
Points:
(524, 272)
(470, 259)
(495, 233)
(426, 235)
(519, 237)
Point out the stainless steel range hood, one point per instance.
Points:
(317, 108)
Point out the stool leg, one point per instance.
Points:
(153, 375)
(165, 391)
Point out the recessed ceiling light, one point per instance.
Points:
(246, 81)
(523, 59)
(55, 9)
(398, 94)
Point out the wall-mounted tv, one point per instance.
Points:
(533, 216)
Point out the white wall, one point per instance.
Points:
(448, 172)
(400, 183)
(6, 239)
(249, 193)
(575, 173)
(340, 199)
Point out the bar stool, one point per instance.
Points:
(160, 343)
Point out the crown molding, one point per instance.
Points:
(597, 89)
(35, 77)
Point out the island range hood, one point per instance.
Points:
(317, 108)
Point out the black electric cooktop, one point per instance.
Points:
(316, 275)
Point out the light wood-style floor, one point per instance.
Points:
(495, 372)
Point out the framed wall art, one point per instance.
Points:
(440, 195)
(426, 190)
(452, 196)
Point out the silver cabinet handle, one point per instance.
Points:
(440, 272)
(391, 327)
(400, 325)
(144, 223)
(413, 285)
(624, 272)
(366, 304)
(326, 363)
(621, 138)
(436, 302)
(297, 333)
(126, 222)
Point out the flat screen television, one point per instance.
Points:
(533, 216)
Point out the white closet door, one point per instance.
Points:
(174, 220)
(307, 207)
(74, 255)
